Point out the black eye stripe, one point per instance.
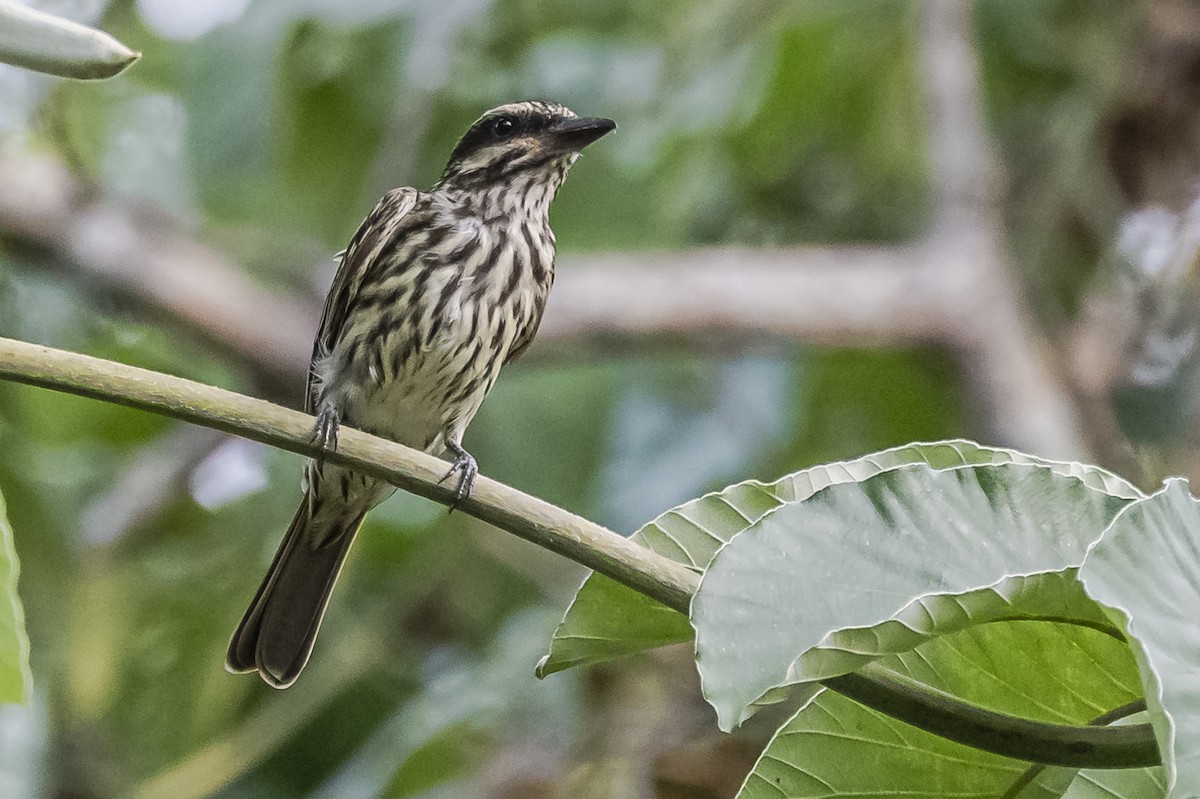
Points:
(493, 130)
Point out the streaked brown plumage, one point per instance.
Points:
(435, 293)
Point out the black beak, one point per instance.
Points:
(573, 135)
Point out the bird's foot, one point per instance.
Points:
(465, 467)
(325, 432)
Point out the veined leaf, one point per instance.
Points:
(1141, 783)
(862, 570)
(606, 620)
(1146, 569)
(1050, 672)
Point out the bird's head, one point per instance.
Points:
(530, 143)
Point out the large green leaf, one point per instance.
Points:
(1146, 568)
(833, 747)
(607, 620)
(861, 570)
(14, 644)
(1141, 783)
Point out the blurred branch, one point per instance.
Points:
(42, 205)
(933, 292)
(867, 295)
(1004, 356)
(539, 522)
(45, 43)
(828, 295)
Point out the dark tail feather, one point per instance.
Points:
(277, 633)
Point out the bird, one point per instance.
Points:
(434, 294)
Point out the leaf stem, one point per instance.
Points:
(1036, 741)
(1030, 774)
(569, 535)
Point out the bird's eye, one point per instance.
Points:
(502, 127)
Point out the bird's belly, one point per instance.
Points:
(397, 412)
(423, 394)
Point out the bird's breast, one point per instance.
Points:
(479, 302)
(460, 300)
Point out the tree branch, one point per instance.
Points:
(582, 541)
(520, 514)
(862, 295)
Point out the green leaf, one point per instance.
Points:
(606, 620)
(1146, 568)
(821, 751)
(15, 678)
(1052, 672)
(1118, 784)
(861, 570)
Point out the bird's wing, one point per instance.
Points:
(373, 236)
(525, 335)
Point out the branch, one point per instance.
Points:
(144, 487)
(845, 295)
(863, 295)
(548, 526)
(520, 514)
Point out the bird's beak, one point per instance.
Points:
(572, 135)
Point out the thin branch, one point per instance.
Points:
(582, 541)
(520, 514)
(150, 481)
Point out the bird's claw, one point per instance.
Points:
(325, 432)
(465, 467)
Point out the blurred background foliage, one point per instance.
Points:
(267, 128)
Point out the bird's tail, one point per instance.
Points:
(277, 633)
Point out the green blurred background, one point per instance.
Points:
(267, 128)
